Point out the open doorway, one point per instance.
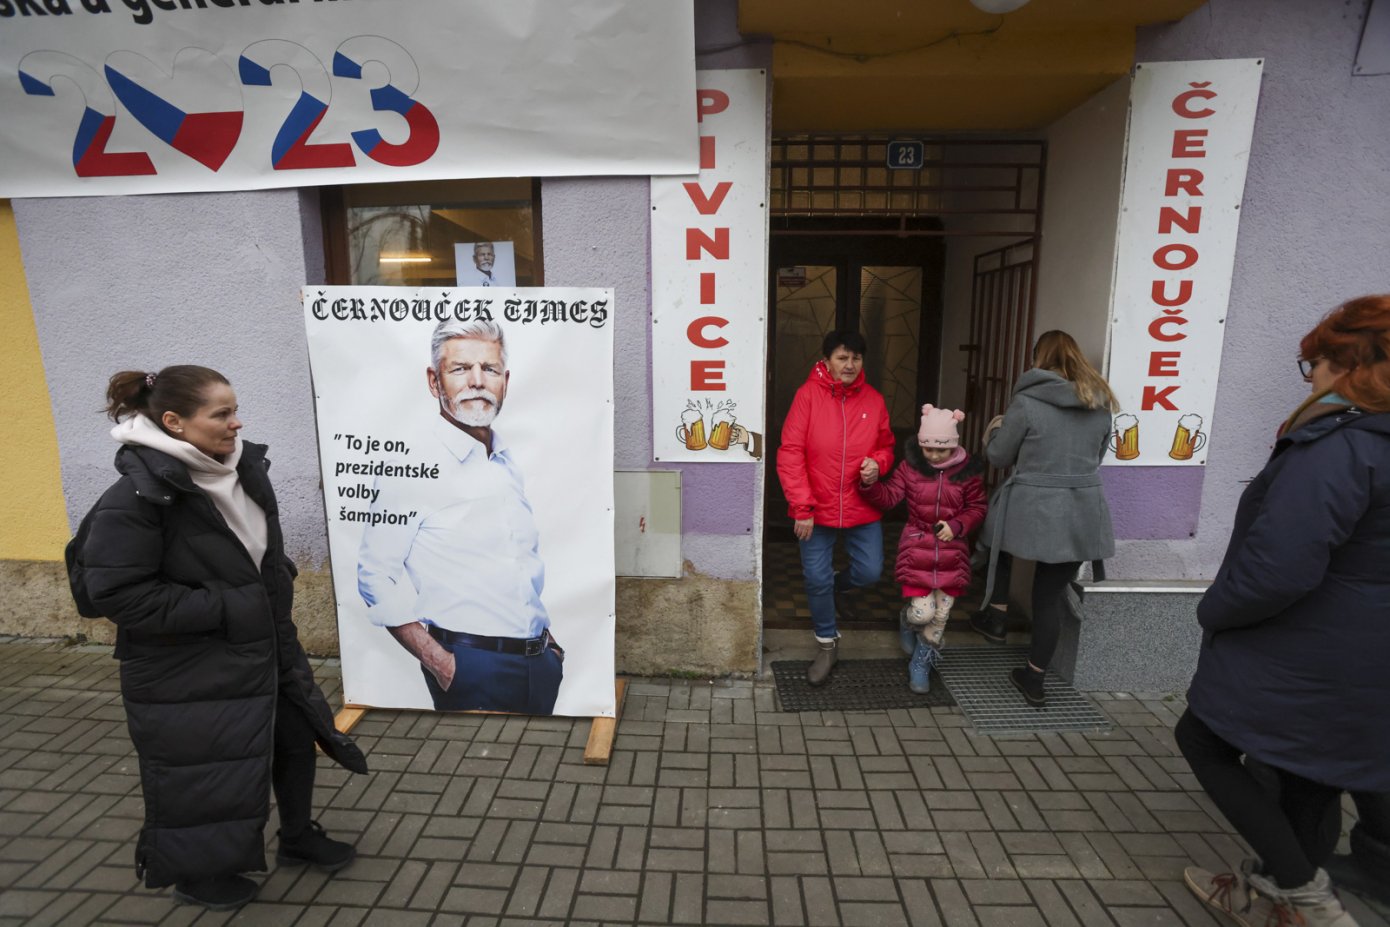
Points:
(935, 266)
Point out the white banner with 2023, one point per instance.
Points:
(107, 97)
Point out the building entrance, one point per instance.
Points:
(935, 266)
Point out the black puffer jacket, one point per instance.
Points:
(1296, 625)
(206, 642)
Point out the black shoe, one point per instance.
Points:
(1349, 875)
(991, 624)
(224, 893)
(315, 848)
(1030, 682)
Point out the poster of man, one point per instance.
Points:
(466, 446)
(485, 263)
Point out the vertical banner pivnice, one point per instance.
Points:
(470, 514)
(709, 281)
(1190, 127)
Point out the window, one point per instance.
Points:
(435, 233)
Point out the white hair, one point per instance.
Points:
(477, 329)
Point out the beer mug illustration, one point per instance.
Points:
(1188, 439)
(1125, 439)
(692, 430)
(723, 429)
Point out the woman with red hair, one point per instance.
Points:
(1296, 632)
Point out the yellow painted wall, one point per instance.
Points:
(33, 518)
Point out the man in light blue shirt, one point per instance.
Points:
(458, 580)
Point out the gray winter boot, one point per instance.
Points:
(1313, 905)
(1229, 894)
(819, 670)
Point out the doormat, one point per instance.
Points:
(979, 679)
(855, 685)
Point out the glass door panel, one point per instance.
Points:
(805, 310)
(890, 318)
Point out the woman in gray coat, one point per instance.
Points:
(1051, 509)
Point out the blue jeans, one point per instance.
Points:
(863, 543)
(489, 681)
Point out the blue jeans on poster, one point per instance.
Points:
(863, 543)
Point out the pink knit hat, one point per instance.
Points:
(939, 427)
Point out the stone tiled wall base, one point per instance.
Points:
(316, 612)
(696, 624)
(36, 603)
(1132, 639)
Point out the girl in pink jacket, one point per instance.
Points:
(945, 502)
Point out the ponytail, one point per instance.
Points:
(178, 389)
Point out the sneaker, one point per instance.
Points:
(1228, 894)
(1030, 682)
(224, 893)
(1310, 905)
(1348, 874)
(924, 657)
(315, 848)
(991, 624)
(907, 635)
(819, 670)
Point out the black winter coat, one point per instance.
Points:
(1296, 626)
(206, 644)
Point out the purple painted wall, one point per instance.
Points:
(142, 281)
(721, 503)
(138, 282)
(1313, 233)
(1153, 503)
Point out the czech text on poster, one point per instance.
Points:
(1190, 127)
(709, 281)
(466, 444)
(152, 96)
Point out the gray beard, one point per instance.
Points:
(479, 418)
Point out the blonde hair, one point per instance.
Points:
(1057, 351)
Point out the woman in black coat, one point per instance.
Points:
(184, 554)
(1296, 631)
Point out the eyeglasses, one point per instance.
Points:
(1305, 367)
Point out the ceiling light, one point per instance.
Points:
(404, 259)
(998, 6)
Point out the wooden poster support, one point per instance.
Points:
(597, 751)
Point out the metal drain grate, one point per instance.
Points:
(979, 679)
(856, 685)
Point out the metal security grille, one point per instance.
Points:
(978, 677)
(978, 182)
(1001, 336)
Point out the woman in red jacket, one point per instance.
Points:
(835, 435)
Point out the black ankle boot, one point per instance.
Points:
(223, 893)
(315, 848)
(1030, 682)
(991, 624)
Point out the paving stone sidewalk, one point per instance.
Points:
(716, 809)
